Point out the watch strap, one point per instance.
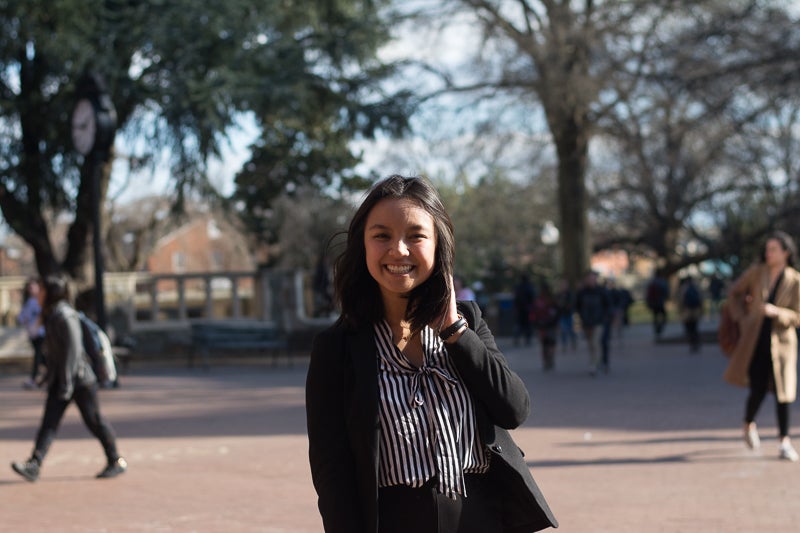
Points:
(453, 328)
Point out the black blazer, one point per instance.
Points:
(343, 425)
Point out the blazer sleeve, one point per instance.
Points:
(739, 292)
(789, 312)
(333, 468)
(486, 374)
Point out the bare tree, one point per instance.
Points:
(699, 158)
(582, 61)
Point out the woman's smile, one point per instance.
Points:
(399, 269)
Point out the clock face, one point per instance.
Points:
(84, 126)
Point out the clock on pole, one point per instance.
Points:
(94, 120)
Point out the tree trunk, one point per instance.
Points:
(572, 148)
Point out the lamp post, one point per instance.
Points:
(550, 236)
(93, 126)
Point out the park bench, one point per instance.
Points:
(232, 335)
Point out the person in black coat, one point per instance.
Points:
(69, 377)
(408, 398)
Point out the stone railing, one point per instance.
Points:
(140, 301)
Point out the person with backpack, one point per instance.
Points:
(69, 377)
(690, 306)
(594, 310)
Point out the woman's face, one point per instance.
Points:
(33, 289)
(400, 243)
(774, 254)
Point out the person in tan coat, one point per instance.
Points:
(765, 301)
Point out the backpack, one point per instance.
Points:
(691, 298)
(98, 348)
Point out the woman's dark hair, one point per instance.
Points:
(26, 290)
(358, 294)
(787, 243)
(56, 289)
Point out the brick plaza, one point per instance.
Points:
(654, 446)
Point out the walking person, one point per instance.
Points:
(565, 299)
(690, 307)
(716, 286)
(545, 318)
(408, 398)
(656, 299)
(524, 295)
(30, 318)
(594, 309)
(765, 301)
(69, 377)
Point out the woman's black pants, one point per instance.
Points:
(86, 400)
(761, 379)
(422, 510)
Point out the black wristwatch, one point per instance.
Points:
(453, 328)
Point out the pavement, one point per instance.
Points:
(655, 445)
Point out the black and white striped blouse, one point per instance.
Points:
(427, 418)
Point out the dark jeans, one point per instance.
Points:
(605, 344)
(692, 333)
(86, 400)
(38, 356)
(659, 319)
(406, 510)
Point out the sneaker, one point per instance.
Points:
(751, 438)
(788, 453)
(114, 469)
(29, 470)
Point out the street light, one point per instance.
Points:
(550, 236)
(93, 126)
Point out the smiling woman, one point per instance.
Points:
(400, 244)
(408, 398)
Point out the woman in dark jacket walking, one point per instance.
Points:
(408, 398)
(69, 377)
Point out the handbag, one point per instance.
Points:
(728, 332)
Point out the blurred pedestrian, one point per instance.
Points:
(30, 317)
(656, 299)
(69, 377)
(690, 307)
(620, 299)
(593, 306)
(565, 299)
(765, 301)
(545, 314)
(408, 398)
(716, 287)
(463, 292)
(524, 295)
